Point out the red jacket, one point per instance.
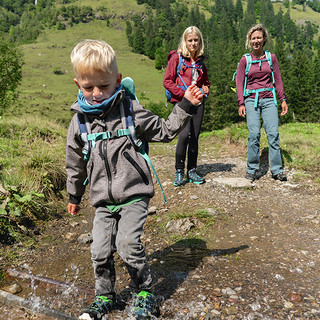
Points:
(171, 81)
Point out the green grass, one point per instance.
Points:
(300, 143)
(32, 151)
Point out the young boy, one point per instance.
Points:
(120, 180)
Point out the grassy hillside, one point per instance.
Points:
(48, 88)
(297, 13)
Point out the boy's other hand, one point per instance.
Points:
(73, 209)
(193, 94)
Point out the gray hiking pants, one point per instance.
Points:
(120, 231)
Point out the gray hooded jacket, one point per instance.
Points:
(116, 171)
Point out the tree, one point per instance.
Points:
(10, 73)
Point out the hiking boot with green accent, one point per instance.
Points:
(145, 305)
(192, 176)
(98, 309)
(178, 178)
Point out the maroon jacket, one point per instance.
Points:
(171, 81)
(259, 78)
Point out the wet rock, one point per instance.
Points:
(13, 288)
(85, 238)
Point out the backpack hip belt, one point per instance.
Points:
(248, 92)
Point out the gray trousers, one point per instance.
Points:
(120, 231)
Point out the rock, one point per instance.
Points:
(74, 223)
(295, 297)
(234, 182)
(71, 236)
(193, 197)
(288, 305)
(180, 225)
(230, 311)
(152, 210)
(212, 211)
(85, 238)
(13, 288)
(229, 292)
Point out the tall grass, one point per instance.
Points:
(32, 150)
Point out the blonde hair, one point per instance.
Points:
(93, 55)
(257, 27)
(182, 48)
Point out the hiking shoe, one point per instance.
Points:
(250, 176)
(280, 176)
(98, 309)
(178, 178)
(193, 177)
(145, 305)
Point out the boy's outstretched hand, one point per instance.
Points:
(193, 94)
(73, 209)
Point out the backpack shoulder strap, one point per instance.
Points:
(84, 131)
(268, 57)
(249, 61)
(126, 112)
(180, 63)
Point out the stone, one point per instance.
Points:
(180, 225)
(13, 288)
(152, 210)
(85, 238)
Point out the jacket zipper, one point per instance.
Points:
(108, 173)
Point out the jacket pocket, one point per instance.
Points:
(137, 167)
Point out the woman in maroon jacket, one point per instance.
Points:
(257, 98)
(192, 70)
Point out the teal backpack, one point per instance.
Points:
(247, 92)
(89, 139)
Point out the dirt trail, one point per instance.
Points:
(256, 256)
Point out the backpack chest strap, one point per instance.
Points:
(107, 135)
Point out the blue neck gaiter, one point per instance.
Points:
(95, 108)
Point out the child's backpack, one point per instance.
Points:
(247, 92)
(179, 67)
(89, 139)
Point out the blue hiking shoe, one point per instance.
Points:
(192, 176)
(145, 305)
(178, 178)
(98, 309)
